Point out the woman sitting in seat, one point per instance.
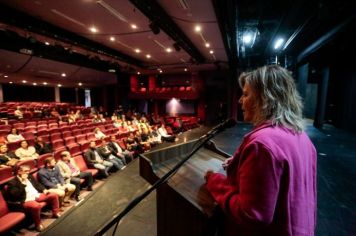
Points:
(26, 152)
(14, 136)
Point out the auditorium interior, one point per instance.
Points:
(83, 72)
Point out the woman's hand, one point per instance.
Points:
(207, 174)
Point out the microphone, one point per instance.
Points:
(231, 122)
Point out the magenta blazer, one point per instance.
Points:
(270, 187)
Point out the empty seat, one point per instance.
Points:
(8, 219)
(66, 134)
(69, 141)
(58, 144)
(79, 160)
(75, 150)
(76, 132)
(56, 136)
(6, 174)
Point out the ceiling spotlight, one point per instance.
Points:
(63, 75)
(80, 84)
(207, 45)
(197, 28)
(34, 84)
(138, 73)
(247, 38)
(168, 49)
(160, 71)
(24, 81)
(137, 50)
(154, 27)
(6, 76)
(10, 82)
(44, 83)
(59, 85)
(133, 26)
(185, 69)
(47, 43)
(211, 51)
(148, 56)
(93, 29)
(176, 47)
(278, 43)
(112, 39)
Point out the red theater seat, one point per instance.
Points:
(8, 219)
(79, 160)
(6, 174)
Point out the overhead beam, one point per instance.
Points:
(226, 13)
(153, 11)
(22, 20)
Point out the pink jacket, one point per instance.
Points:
(270, 188)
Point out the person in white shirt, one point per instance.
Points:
(14, 136)
(98, 134)
(164, 134)
(26, 152)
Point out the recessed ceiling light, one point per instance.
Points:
(137, 50)
(80, 84)
(34, 84)
(6, 76)
(211, 51)
(138, 72)
(93, 29)
(112, 39)
(207, 45)
(168, 49)
(197, 28)
(59, 85)
(148, 56)
(133, 26)
(185, 69)
(10, 82)
(160, 71)
(44, 83)
(63, 75)
(47, 43)
(24, 81)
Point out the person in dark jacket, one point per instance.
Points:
(119, 151)
(42, 147)
(27, 192)
(94, 159)
(108, 154)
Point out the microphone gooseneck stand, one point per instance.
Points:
(203, 139)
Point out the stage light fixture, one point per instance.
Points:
(154, 27)
(176, 47)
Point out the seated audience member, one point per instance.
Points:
(156, 137)
(25, 192)
(98, 134)
(18, 113)
(7, 158)
(164, 134)
(118, 151)
(72, 117)
(133, 144)
(93, 159)
(54, 113)
(96, 119)
(101, 118)
(108, 154)
(3, 139)
(72, 174)
(25, 152)
(42, 147)
(51, 178)
(14, 136)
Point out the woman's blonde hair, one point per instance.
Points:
(276, 96)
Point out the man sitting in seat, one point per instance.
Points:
(93, 159)
(42, 147)
(108, 154)
(28, 193)
(71, 173)
(51, 178)
(119, 152)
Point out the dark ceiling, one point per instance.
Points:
(308, 27)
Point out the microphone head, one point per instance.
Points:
(229, 123)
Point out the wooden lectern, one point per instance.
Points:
(184, 206)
